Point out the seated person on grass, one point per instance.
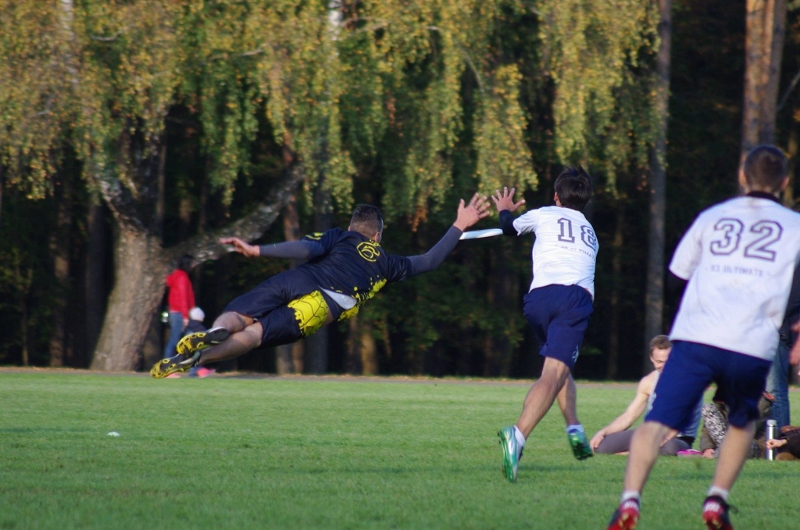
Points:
(788, 445)
(715, 424)
(615, 438)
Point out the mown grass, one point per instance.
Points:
(243, 453)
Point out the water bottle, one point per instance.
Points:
(772, 428)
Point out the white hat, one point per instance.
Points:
(197, 314)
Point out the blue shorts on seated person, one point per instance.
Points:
(691, 367)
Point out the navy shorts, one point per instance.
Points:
(559, 315)
(691, 367)
(289, 306)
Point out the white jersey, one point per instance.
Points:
(739, 258)
(565, 249)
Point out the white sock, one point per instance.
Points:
(719, 492)
(575, 428)
(519, 437)
(631, 494)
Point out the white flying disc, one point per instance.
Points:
(478, 234)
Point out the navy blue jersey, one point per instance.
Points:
(345, 269)
(352, 264)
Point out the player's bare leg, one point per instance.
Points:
(538, 401)
(189, 347)
(732, 455)
(567, 399)
(234, 346)
(233, 322)
(542, 394)
(246, 334)
(645, 444)
(642, 456)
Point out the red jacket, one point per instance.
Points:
(181, 295)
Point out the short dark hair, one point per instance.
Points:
(660, 342)
(185, 262)
(765, 167)
(574, 188)
(367, 220)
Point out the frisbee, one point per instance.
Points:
(479, 234)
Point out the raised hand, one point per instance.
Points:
(469, 214)
(241, 247)
(505, 201)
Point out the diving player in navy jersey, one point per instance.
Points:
(345, 268)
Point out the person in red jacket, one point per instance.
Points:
(180, 301)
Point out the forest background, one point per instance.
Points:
(132, 132)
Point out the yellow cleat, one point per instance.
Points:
(189, 348)
(178, 363)
(201, 340)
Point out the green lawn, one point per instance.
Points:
(227, 452)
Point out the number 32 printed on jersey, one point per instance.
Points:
(732, 232)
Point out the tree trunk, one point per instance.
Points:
(766, 27)
(369, 351)
(24, 282)
(2, 185)
(617, 248)
(502, 291)
(289, 357)
(153, 347)
(59, 250)
(139, 269)
(352, 361)
(95, 277)
(792, 149)
(654, 297)
(316, 345)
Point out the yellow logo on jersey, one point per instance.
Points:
(316, 236)
(362, 299)
(369, 250)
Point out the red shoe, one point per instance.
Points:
(626, 516)
(715, 514)
(204, 372)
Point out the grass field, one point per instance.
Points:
(228, 452)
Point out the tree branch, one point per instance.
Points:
(788, 91)
(112, 38)
(206, 247)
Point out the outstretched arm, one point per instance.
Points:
(288, 249)
(466, 216)
(626, 419)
